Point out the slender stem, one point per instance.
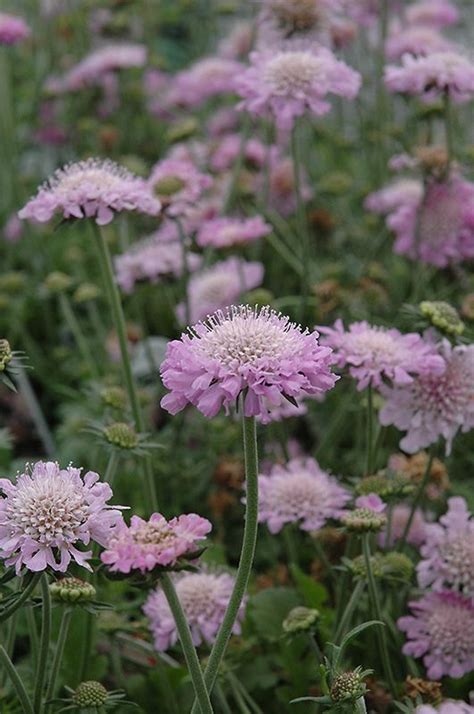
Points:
(17, 682)
(86, 646)
(58, 655)
(8, 612)
(246, 555)
(184, 249)
(43, 654)
(238, 698)
(221, 699)
(75, 328)
(369, 463)
(33, 633)
(36, 412)
(10, 640)
(246, 695)
(377, 612)
(290, 545)
(111, 467)
(346, 616)
(448, 123)
(238, 164)
(418, 497)
(119, 322)
(190, 655)
(302, 223)
(359, 706)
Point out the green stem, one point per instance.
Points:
(119, 322)
(8, 612)
(33, 633)
(377, 614)
(36, 413)
(290, 545)
(238, 698)
(238, 164)
(17, 682)
(111, 467)
(359, 706)
(246, 555)
(346, 616)
(76, 331)
(184, 249)
(369, 463)
(302, 224)
(58, 655)
(86, 645)
(221, 699)
(190, 655)
(418, 497)
(43, 654)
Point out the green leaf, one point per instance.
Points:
(350, 636)
(314, 594)
(268, 609)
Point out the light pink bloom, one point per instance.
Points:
(401, 192)
(417, 40)
(376, 354)
(283, 410)
(282, 195)
(258, 352)
(13, 229)
(223, 121)
(230, 232)
(204, 597)
(441, 630)
(286, 84)
(13, 29)
(228, 150)
(400, 514)
(300, 492)
(94, 188)
(449, 706)
(432, 13)
(434, 405)
(448, 553)
(99, 63)
(282, 23)
(219, 286)
(432, 76)
(48, 512)
(372, 502)
(190, 184)
(238, 42)
(206, 78)
(144, 545)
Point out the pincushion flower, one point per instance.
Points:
(94, 188)
(376, 354)
(282, 194)
(286, 84)
(434, 405)
(152, 260)
(399, 193)
(300, 492)
(13, 29)
(417, 534)
(204, 597)
(432, 13)
(49, 512)
(219, 286)
(259, 353)
(228, 150)
(229, 232)
(144, 545)
(178, 184)
(416, 40)
(441, 630)
(101, 63)
(433, 76)
(206, 78)
(448, 553)
(281, 22)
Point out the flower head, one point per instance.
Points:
(71, 590)
(259, 352)
(286, 84)
(432, 76)
(443, 316)
(229, 232)
(300, 492)
(178, 184)
(206, 78)
(282, 22)
(94, 188)
(144, 545)
(228, 150)
(441, 630)
(434, 405)
(448, 552)
(396, 194)
(13, 29)
(432, 13)
(99, 63)
(415, 40)
(416, 536)
(219, 286)
(48, 512)
(375, 354)
(204, 597)
(363, 520)
(300, 619)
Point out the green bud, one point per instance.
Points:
(114, 397)
(168, 186)
(86, 292)
(336, 183)
(90, 694)
(300, 619)
(13, 282)
(72, 590)
(385, 486)
(182, 130)
(359, 568)
(443, 316)
(6, 355)
(363, 520)
(349, 686)
(398, 565)
(122, 435)
(260, 296)
(57, 282)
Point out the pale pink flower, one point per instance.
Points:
(178, 183)
(282, 196)
(417, 40)
(441, 630)
(417, 534)
(206, 78)
(13, 29)
(228, 149)
(231, 232)
(372, 502)
(402, 192)
(448, 706)
(432, 76)
(432, 13)
(282, 22)
(49, 512)
(13, 229)
(99, 63)
(238, 43)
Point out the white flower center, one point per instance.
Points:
(291, 72)
(153, 534)
(214, 288)
(373, 344)
(452, 631)
(197, 594)
(92, 175)
(458, 562)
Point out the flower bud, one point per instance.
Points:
(182, 130)
(57, 282)
(86, 292)
(122, 435)
(385, 486)
(300, 619)
(260, 296)
(363, 520)
(12, 282)
(443, 316)
(168, 186)
(6, 354)
(398, 565)
(90, 694)
(349, 686)
(72, 590)
(114, 397)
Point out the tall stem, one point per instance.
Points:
(377, 613)
(238, 164)
(119, 322)
(246, 555)
(369, 463)
(190, 655)
(111, 467)
(303, 233)
(345, 619)
(17, 682)
(418, 497)
(58, 655)
(184, 249)
(44, 646)
(75, 328)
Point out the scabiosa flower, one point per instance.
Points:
(432, 76)
(441, 630)
(281, 22)
(300, 492)
(396, 194)
(432, 13)
(417, 534)
(152, 260)
(13, 29)
(229, 232)
(228, 149)
(219, 286)
(282, 195)
(92, 69)
(178, 183)
(258, 352)
(376, 354)
(448, 553)
(286, 84)
(449, 706)
(416, 40)
(204, 597)
(48, 512)
(94, 188)
(207, 78)
(144, 545)
(238, 43)
(434, 405)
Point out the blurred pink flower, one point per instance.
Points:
(230, 232)
(13, 29)
(372, 502)
(416, 40)
(432, 76)
(206, 78)
(90, 70)
(178, 183)
(282, 195)
(228, 150)
(238, 43)
(401, 192)
(13, 229)
(432, 13)
(416, 536)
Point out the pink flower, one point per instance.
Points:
(13, 29)
(229, 232)
(48, 512)
(153, 261)
(228, 150)
(300, 492)
(376, 354)
(448, 553)
(219, 286)
(432, 13)
(204, 597)
(244, 349)
(432, 76)
(434, 405)
(178, 183)
(100, 63)
(238, 42)
(281, 23)
(441, 630)
(13, 229)
(286, 84)
(206, 78)
(399, 193)
(94, 188)
(449, 706)
(400, 514)
(282, 186)
(416, 40)
(144, 545)
(372, 502)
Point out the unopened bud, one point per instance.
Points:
(443, 316)
(6, 354)
(363, 520)
(168, 186)
(72, 590)
(349, 686)
(300, 619)
(57, 282)
(90, 694)
(122, 435)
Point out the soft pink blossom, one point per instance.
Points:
(13, 29)
(417, 40)
(206, 78)
(432, 76)
(101, 62)
(432, 13)
(417, 533)
(190, 184)
(231, 232)
(372, 502)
